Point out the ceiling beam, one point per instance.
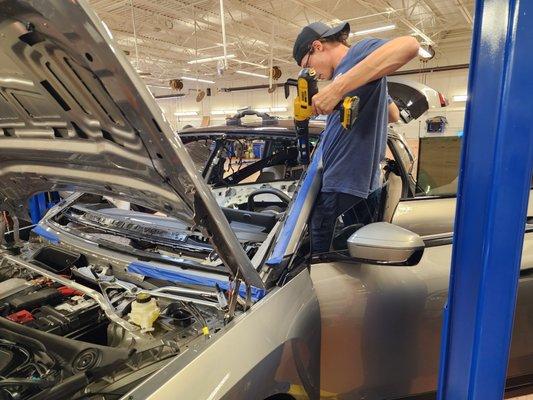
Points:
(317, 10)
(465, 12)
(385, 6)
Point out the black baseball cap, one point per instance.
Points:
(312, 32)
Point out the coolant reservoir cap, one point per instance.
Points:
(143, 298)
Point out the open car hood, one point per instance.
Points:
(413, 98)
(75, 116)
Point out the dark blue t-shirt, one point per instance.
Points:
(352, 158)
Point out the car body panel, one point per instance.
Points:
(413, 97)
(259, 354)
(426, 216)
(234, 195)
(432, 215)
(381, 325)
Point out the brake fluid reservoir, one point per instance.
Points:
(144, 312)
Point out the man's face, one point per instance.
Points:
(319, 59)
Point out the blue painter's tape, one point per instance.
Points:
(288, 228)
(50, 236)
(174, 275)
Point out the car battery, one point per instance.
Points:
(67, 318)
(35, 299)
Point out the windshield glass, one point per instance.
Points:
(200, 151)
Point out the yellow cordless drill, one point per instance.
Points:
(307, 87)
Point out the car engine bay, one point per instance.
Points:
(75, 322)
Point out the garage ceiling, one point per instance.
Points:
(170, 33)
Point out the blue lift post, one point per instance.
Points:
(492, 200)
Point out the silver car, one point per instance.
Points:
(183, 298)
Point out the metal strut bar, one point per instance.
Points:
(93, 294)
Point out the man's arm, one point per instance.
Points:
(394, 112)
(381, 62)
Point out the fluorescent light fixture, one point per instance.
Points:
(223, 112)
(374, 30)
(262, 110)
(185, 113)
(278, 109)
(251, 74)
(186, 78)
(158, 86)
(461, 97)
(208, 59)
(251, 63)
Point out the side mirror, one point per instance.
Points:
(386, 244)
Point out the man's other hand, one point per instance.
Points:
(326, 99)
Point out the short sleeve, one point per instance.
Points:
(367, 46)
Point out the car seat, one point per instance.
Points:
(271, 174)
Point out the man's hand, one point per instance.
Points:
(326, 99)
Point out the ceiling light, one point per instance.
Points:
(427, 53)
(202, 60)
(279, 109)
(223, 112)
(461, 97)
(251, 74)
(374, 30)
(158, 86)
(250, 63)
(186, 78)
(186, 113)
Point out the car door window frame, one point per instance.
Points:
(407, 191)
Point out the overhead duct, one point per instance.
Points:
(252, 87)
(170, 96)
(397, 73)
(431, 69)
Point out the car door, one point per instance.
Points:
(381, 325)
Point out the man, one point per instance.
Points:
(351, 159)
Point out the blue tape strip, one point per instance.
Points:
(288, 228)
(50, 236)
(173, 275)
